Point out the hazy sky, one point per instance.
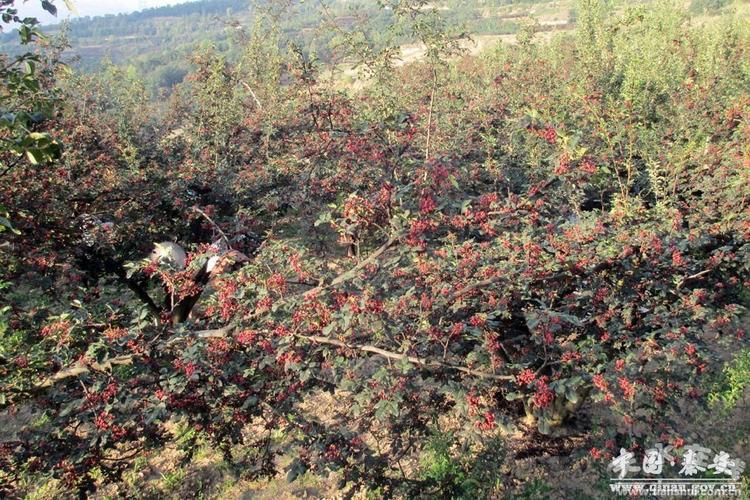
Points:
(89, 7)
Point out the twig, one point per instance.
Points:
(136, 452)
(224, 331)
(136, 288)
(255, 98)
(229, 329)
(351, 273)
(214, 224)
(429, 118)
(693, 277)
(11, 166)
(568, 273)
(302, 283)
(396, 356)
(79, 368)
(468, 288)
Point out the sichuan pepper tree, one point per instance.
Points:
(552, 227)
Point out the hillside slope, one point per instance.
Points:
(158, 41)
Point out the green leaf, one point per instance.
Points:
(5, 224)
(71, 6)
(25, 32)
(404, 365)
(329, 328)
(49, 7)
(34, 156)
(543, 425)
(250, 401)
(572, 395)
(295, 470)
(38, 136)
(385, 408)
(324, 218)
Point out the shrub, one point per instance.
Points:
(495, 243)
(708, 6)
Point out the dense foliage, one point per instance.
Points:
(546, 234)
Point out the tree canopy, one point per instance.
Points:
(549, 238)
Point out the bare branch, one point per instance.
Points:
(214, 224)
(692, 277)
(352, 273)
(79, 368)
(135, 287)
(426, 363)
(249, 89)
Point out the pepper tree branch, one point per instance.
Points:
(80, 367)
(352, 273)
(228, 330)
(139, 291)
(423, 362)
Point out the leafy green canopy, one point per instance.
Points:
(547, 232)
(27, 97)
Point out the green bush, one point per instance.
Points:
(733, 382)
(708, 6)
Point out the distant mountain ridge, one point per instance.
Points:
(102, 25)
(158, 43)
